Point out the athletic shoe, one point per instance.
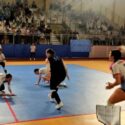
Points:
(51, 99)
(59, 106)
(63, 84)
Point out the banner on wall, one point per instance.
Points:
(80, 45)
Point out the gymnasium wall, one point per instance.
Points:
(19, 51)
(101, 51)
(23, 51)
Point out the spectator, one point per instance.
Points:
(75, 35)
(5, 40)
(34, 5)
(42, 39)
(2, 28)
(33, 51)
(42, 27)
(48, 32)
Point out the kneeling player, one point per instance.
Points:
(44, 74)
(5, 79)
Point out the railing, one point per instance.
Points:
(60, 39)
(10, 38)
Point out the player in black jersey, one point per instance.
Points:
(58, 75)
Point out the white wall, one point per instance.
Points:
(101, 51)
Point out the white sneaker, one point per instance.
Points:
(51, 99)
(63, 84)
(59, 106)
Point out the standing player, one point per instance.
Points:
(33, 51)
(58, 75)
(118, 72)
(2, 60)
(5, 79)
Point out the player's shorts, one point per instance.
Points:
(54, 83)
(2, 64)
(123, 86)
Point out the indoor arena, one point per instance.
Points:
(62, 62)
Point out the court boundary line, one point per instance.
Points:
(108, 72)
(11, 110)
(50, 118)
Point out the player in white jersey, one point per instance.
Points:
(2, 60)
(118, 72)
(44, 74)
(5, 79)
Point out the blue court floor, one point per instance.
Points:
(86, 88)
